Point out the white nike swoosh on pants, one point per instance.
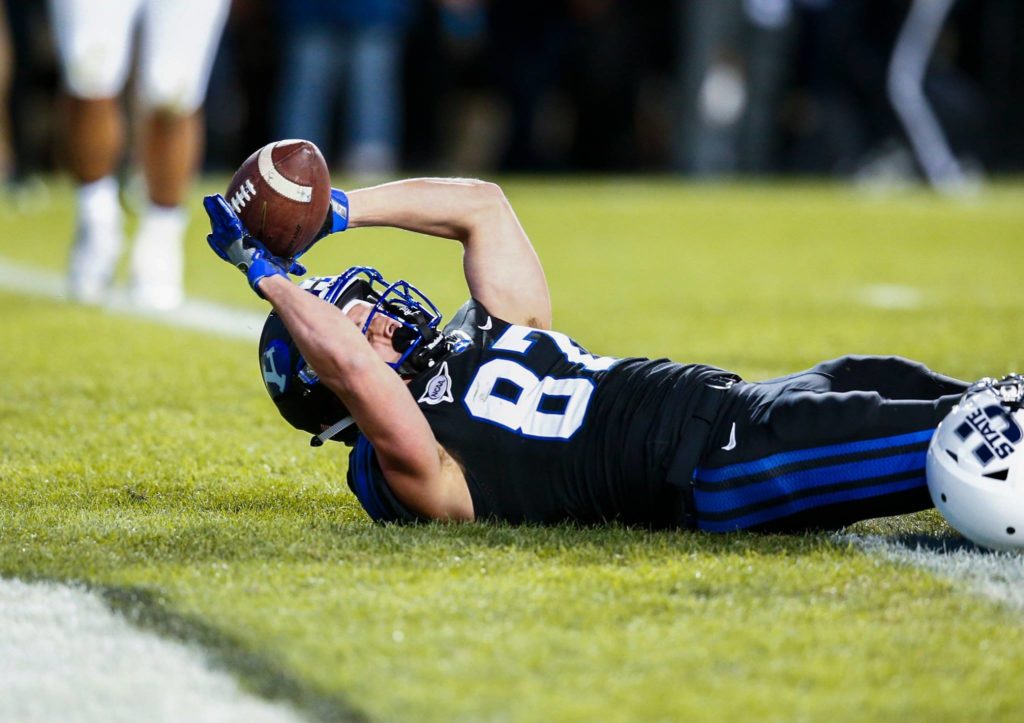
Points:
(732, 438)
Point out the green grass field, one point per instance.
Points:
(147, 463)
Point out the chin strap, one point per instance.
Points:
(340, 425)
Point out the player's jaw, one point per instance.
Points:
(381, 331)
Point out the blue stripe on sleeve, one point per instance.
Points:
(361, 461)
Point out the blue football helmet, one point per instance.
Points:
(293, 384)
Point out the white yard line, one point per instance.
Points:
(998, 576)
(64, 656)
(194, 314)
(897, 297)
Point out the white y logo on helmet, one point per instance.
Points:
(270, 373)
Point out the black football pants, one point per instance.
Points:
(843, 441)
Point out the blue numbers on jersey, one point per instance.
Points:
(506, 393)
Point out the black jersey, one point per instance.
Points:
(546, 432)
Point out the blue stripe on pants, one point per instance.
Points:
(794, 506)
(712, 501)
(738, 506)
(720, 474)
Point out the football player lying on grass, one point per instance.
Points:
(497, 416)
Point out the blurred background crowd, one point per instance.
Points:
(856, 88)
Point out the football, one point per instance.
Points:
(282, 195)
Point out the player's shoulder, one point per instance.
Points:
(469, 336)
(471, 315)
(474, 323)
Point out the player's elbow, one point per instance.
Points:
(477, 189)
(485, 208)
(490, 197)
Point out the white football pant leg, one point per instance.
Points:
(177, 47)
(94, 43)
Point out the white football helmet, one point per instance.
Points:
(975, 464)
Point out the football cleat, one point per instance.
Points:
(94, 258)
(98, 241)
(158, 260)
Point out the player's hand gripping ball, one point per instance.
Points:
(282, 195)
(230, 241)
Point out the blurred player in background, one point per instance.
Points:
(177, 40)
(6, 64)
(355, 46)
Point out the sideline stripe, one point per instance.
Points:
(63, 652)
(64, 655)
(997, 576)
(194, 314)
(895, 297)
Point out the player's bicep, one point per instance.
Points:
(502, 268)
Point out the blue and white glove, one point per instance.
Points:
(337, 219)
(229, 240)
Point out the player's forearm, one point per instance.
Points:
(343, 360)
(502, 269)
(329, 342)
(375, 396)
(452, 208)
